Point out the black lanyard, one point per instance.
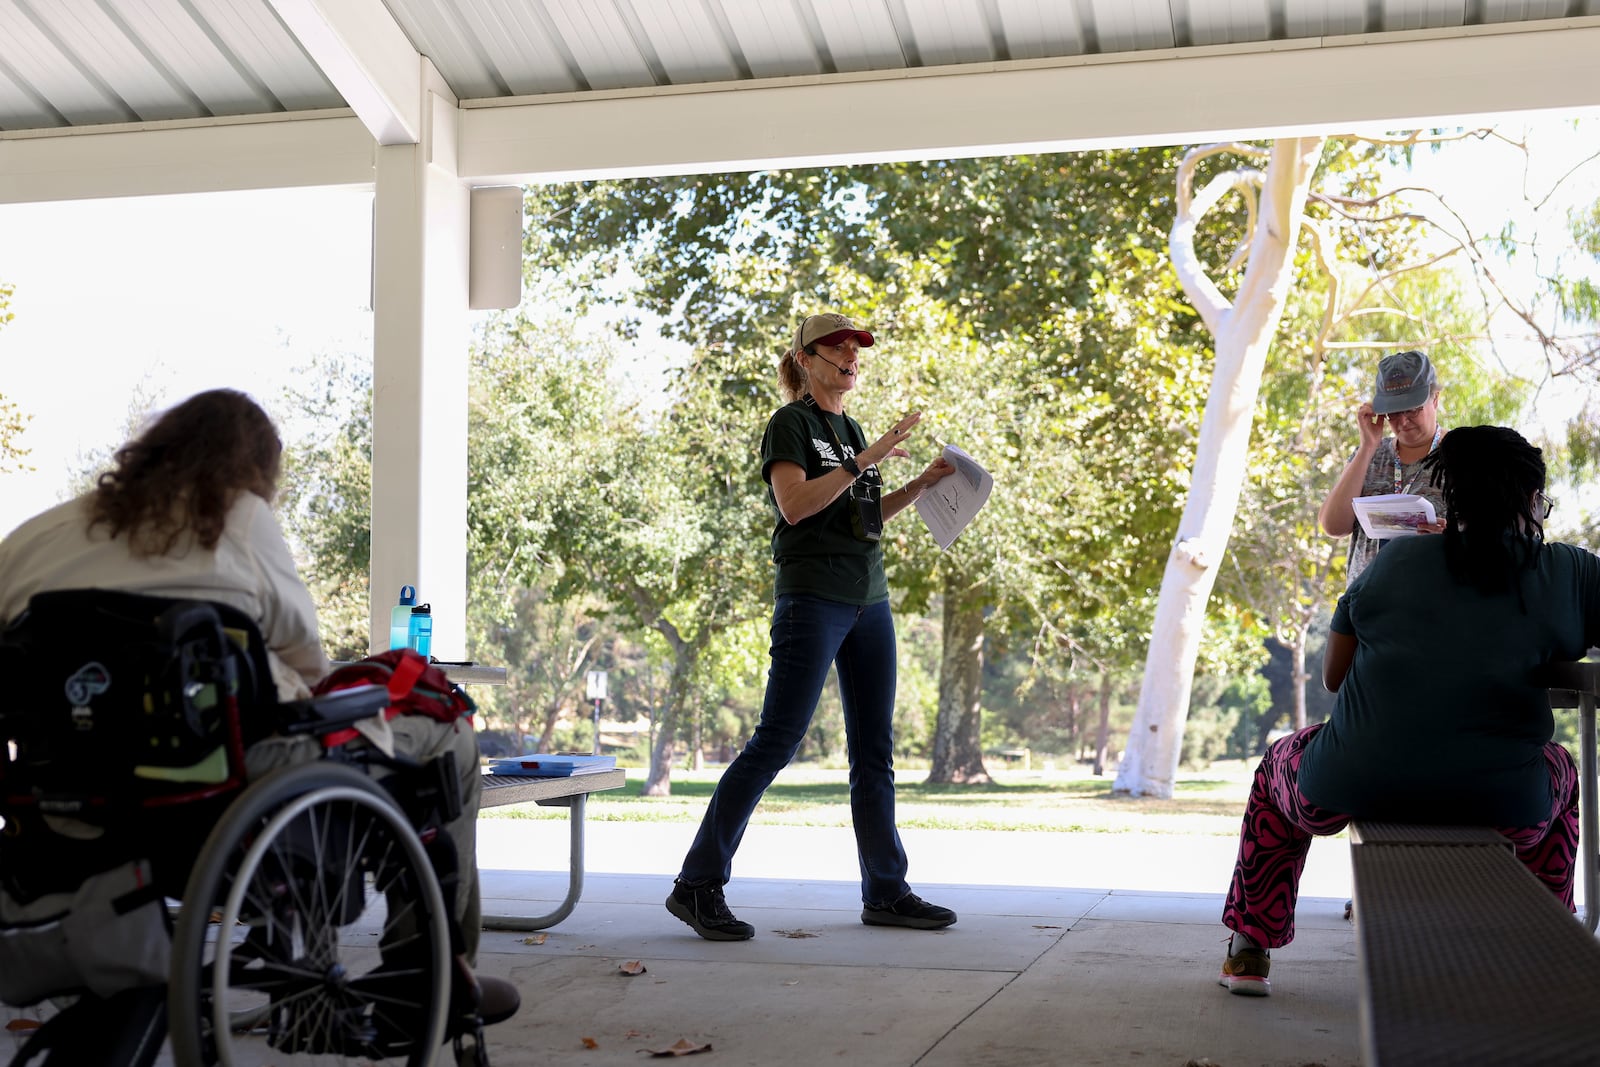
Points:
(823, 415)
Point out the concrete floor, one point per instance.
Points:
(1071, 949)
(1048, 965)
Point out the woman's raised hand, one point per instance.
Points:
(889, 444)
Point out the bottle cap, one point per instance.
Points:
(422, 609)
(408, 594)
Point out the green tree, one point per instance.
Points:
(1280, 564)
(986, 279)
(569, 481)
(12, 420)
(1390, 246)
(548, 644)
(326, 497)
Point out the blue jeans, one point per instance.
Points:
(810, 634)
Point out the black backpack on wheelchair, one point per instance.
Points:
(312, 925)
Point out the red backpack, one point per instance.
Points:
(416, 687)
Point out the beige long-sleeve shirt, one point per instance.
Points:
(250, 569)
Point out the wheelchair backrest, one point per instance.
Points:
(116, 698)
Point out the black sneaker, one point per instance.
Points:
(704, 909)
(911, 911)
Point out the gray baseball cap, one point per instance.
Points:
(1405, 381)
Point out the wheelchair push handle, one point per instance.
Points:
(335, 710)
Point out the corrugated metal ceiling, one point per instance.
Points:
(90, 62)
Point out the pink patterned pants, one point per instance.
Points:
(1279, 824)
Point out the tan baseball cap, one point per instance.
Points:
(829, 329)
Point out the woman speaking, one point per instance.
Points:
(832, 608)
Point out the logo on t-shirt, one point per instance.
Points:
(825, 449)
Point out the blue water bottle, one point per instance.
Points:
(420, 634)
(400, 618)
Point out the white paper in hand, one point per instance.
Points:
(1392, 514)
(951, 502)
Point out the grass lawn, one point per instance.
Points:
(1072, 799)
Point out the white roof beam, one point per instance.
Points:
(1173, 96)
(367, 57)
(192, 156)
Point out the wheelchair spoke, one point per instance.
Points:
(334, 947)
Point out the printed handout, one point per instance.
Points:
(1393, 514)
(952, 501)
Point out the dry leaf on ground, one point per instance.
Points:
(590, 1042)
(794, 933)
(631, 967)
(536, 939)
(681, 1047)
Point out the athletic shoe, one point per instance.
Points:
(1245, 972)
(910, 911)
(704, 909)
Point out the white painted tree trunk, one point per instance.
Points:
(1242, 331)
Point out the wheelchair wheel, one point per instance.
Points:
(313, 931)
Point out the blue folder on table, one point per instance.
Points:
(550, 766)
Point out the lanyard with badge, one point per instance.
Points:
(866, 511)
(1438, 431)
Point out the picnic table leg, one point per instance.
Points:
(1587, 806)
(575, 805)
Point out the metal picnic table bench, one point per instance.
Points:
(571, 793)
(1464, 956)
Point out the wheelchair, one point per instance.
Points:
(308, 909)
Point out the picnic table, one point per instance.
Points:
(571, 793)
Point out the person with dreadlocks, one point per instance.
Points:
(1437, 717)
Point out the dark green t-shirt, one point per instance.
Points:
(1438, 719)
(819, 555)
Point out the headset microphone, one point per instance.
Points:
(846, 371)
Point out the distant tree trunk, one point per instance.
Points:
(1074, 717)
(957, 745)
(1242, 332)
(659, 781)
(684, 656)
(1301, 676)
(697, 755)
(1103, 735)
(547, 732)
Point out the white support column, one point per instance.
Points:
(419, 404)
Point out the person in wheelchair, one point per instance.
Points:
(185, 512)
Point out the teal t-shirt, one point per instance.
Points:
(1438, 719)
(819, 555)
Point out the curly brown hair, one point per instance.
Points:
(184, 472)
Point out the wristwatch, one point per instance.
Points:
(849, 463)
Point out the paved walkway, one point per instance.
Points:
(1073, 949)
